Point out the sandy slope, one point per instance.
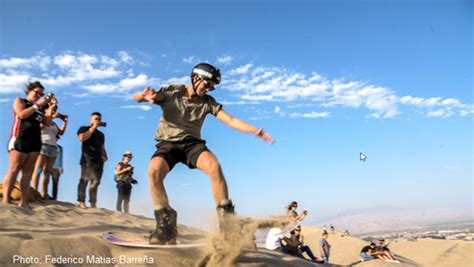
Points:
(61, 229)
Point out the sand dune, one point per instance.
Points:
(60, 231)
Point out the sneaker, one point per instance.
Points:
(166, 230)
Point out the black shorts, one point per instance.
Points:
(25, 144)
(186, 151)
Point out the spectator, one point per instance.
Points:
(324, 248)
(124, 179)
(25, 142)
(92, 159)
(369, 253)
(56, 171)
(298, 239)
(385, 251)
(50, 133)
(291, 210)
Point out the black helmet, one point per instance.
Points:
(207, 71)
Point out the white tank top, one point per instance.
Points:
(49, 134)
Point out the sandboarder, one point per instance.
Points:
(179, 135)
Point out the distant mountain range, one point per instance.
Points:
(389, 218)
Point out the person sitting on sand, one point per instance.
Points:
(124, 179)
(382, 248)
(179, 140)
(291, 210)
(369, 253)
(298, 239)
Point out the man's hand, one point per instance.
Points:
(264, 136)
(149, 94)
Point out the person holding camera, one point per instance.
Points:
(124, 179)
(179, 134)
(291, 210)
(50, 133)
(92, 159)
(25, 142)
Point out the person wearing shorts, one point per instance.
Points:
(368, 252)
(50, 133)
(179, 136)
(25, 141)
(56, 171)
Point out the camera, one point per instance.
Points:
(103, 124)
(62, 117)
(49, 97)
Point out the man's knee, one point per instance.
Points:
(209, 164)
(158, 168)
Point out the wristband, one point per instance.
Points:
(259, 132)
(35, 106)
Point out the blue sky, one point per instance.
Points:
(328, 79)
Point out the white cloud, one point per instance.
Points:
(177, 80)
(101, 88)
(240, 70)
(225, 59)
(311, 115)
(13, 83)
(236, 103)
(4, 100)
(37, 61)
(440, 113)
(142, 107)
(125, 57)
(261, 83)
(139, 81)
(189, 60)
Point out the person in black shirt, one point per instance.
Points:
(92, 159)
(25, 141)
(369, 253)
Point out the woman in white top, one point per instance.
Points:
(49, 137)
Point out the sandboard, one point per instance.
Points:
(128, 242)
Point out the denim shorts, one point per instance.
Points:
(366, 256)
(49, 150)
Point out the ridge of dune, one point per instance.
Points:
(61, 229)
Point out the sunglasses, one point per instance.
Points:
(39, 93)
(208, 85)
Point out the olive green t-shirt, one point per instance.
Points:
(182, 117)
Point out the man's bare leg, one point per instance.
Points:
(166, 230)
(157, 171)
(209, 164)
